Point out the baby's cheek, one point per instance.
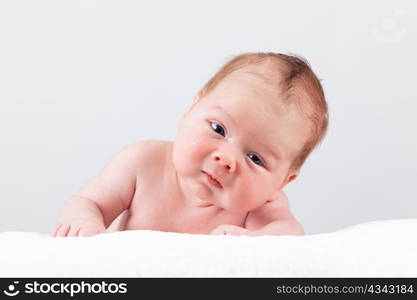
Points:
(200, 146)
(249, 194)
(196, 150)
(188, 154)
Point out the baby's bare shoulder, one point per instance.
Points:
(151, 146)
(147, 153)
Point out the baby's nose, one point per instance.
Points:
(226, 161)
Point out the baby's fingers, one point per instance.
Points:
(77, 229)
(230, 230)
(74, 230)
(55, 230)
(218, 231)
(88, 231)
(62, 230)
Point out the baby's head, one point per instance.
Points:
(250, 129)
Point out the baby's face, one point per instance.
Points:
(236, 144)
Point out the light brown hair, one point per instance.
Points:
(298, 84)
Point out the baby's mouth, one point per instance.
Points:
(213, 181)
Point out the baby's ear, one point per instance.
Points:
(291, 177)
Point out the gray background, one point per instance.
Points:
(79, 80)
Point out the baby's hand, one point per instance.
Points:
(77, 228)
(231, 230)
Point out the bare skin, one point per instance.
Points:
(223, 174)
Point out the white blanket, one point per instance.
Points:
(374, 249)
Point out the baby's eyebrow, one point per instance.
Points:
(219, 108)
(276, 154)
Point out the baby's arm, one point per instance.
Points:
(272, 218)
(92, 209)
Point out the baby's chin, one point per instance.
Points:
(207, 198)
(220, 199)
(233, 206)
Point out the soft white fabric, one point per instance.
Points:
(374, 249)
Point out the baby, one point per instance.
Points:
(245, 136)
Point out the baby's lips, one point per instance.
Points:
(214, 179)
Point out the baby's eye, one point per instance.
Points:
(256, 159)
(217, 128)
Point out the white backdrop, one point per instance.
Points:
(79, 80)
